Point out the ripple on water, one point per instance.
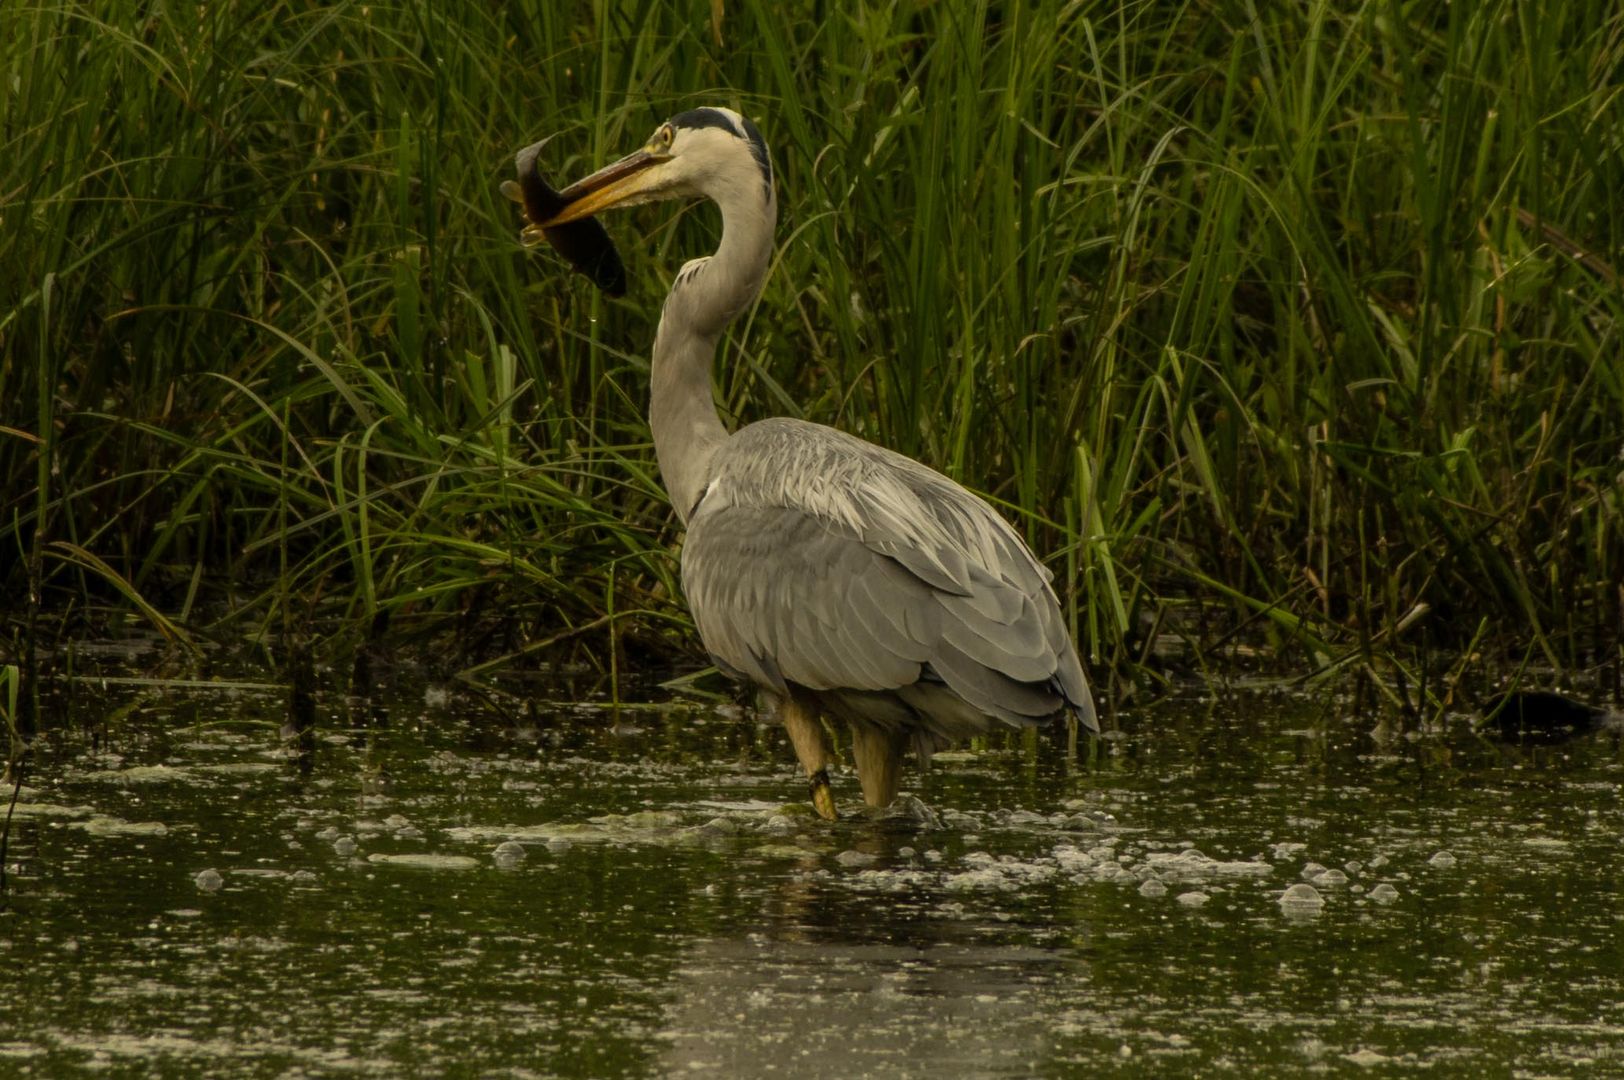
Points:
(425, 861)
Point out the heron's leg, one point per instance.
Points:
(879, 762)
(812, 747)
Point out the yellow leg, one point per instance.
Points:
(879, 762)
(811, 744)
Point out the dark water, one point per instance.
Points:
(184, 901)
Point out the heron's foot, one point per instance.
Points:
(823, 798)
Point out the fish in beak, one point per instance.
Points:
(548, 215)
(626, 182)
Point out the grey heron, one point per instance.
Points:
(843, 579)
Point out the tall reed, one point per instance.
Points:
(1279, 321)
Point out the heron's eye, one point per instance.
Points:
(662, 138)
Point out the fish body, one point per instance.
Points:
(584, 243)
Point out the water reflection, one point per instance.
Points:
(765, 1004)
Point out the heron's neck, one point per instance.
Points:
(707, 296)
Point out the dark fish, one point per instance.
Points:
(585, 243)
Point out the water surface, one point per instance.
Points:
(646, 893)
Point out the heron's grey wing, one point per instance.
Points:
(1005, 614)
(1003, 644)
(780, 597)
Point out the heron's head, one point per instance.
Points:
(702, 153)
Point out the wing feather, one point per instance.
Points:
(993, 692)
(817, 559)
(1016, 650)
(767, 582)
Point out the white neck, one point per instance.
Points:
(708, 294)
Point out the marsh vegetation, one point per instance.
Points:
(1288, 326)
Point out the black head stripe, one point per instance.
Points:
(715, 118)
(758, 150)
(704, 118)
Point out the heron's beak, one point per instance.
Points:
(627, 180)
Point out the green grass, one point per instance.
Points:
(1267, 322)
